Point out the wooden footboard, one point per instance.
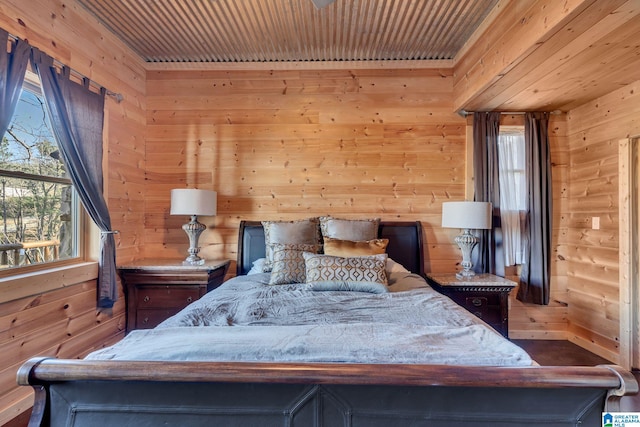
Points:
(110, 393)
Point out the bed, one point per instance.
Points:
(336, 356)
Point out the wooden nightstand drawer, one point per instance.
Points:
(482, 299)
(477, 303)
(482, 308)
(168, 296)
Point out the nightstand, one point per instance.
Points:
(485, 295)
(156, 289)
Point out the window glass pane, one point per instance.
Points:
(38, 222)
(29, 145)
(511, 161)
(38, 206)
(513, 196)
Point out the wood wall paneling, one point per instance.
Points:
(63, 321)
(290, 144)
(595, 129)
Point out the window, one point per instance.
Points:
(513, 191)
(38, 206)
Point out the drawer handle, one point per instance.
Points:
(145, 321)
(476, 302)
(478, 314)
(189, 299)
(146, 298)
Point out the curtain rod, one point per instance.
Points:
(465, 113)
(117, 96)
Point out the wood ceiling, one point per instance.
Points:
(551, 55)
(525, 55)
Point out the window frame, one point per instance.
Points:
(81, 223)
(522, 213)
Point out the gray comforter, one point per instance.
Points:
(248, 320)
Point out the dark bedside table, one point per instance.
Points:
(156, 289)
(485, 295)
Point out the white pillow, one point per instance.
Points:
(257, 266)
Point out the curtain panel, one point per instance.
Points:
(535, 272)
(13, 66)
(77, 116)
(486, 127)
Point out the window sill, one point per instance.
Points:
(37, 282)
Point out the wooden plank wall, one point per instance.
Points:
(594, 130)
(355, 143)
(64, 322)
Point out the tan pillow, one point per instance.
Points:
(347, 248)
(304, 231)
(349, 229)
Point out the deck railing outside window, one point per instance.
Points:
(18, 254)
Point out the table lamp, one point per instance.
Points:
(466, 216)
(193, 202)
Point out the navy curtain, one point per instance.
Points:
(535, 273)
(77, 116)
(486, 127)
(13, 66)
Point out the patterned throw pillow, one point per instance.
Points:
(322, 268)
(288, 262)
(348, 248)
(305, 231)
(349, 229)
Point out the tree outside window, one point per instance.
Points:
(37, 203)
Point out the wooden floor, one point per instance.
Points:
(559, 353)
(565, 353)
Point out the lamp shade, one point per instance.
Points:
(467, 215)
(187, 201)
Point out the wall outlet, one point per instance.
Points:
(595, 223)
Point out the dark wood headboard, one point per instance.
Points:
(405, 244)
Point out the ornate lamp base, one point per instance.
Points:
(193, 230)
(466, 241)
